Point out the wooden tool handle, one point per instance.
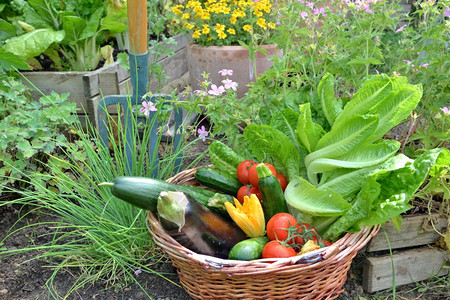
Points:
(137, 26)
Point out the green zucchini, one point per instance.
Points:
(144, 192)
(218, 179)
(224, 158)
(271, 192)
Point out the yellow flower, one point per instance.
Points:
(176, 10)
(247, 28)
(233, 20)
(249, 216)
(185, 16)
(196, 34)
(231, 31)
(271, 25)
(261, 23)
(188, 26)
(219, 28)
(221, 34)
(205, 29)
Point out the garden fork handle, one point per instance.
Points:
(137, 26)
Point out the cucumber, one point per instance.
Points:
(144, 192)
(218, 179)
(224, 158)
(271, 192)
(248, 249)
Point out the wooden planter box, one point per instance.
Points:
(87, 88)
(416, 256)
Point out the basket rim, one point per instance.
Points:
(347, 244)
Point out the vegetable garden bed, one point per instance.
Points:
(87, 88)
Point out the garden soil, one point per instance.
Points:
(21, 277)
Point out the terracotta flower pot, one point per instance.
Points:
(212, 59)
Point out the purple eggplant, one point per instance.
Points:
(196, 227)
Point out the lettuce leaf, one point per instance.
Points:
(267, 142)
(308, 132)
(359, 210)
(330, 106)
(399, 185)
(365, 155)
(306, 198)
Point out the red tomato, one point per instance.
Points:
(242, 171)
(247, 190)
(274, 249)
(282, 180)
(253, 175)
(278, 226)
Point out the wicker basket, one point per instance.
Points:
(320, 274)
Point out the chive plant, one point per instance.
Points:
(105, 238)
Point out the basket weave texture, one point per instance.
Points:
(319, 274)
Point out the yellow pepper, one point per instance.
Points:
(249, 216)
(309, 246)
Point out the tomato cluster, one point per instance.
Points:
(248, 177)
(287, 236)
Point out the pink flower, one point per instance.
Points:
(367, 9)
(310, 4)
(376, 71)
(225, 72)
(229, 84)
(446, 110)
(408, 62)
(424, 65)
(137, 272)
(200, 93)
(343, 24)
(400, 29)
(216, 91)
(147, 107)
(304, 15)
(447, 11)
(202, 133)
(317, 11)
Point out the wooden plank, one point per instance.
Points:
(416, 231)
(59, 82)
(174, 67)
(410, 266)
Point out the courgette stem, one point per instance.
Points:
(106, 184)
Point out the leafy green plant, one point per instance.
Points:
(347, 176)
(73, 29)
(106, 238)
(29, 129)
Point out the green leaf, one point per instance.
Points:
(93, 24)
(346, 182)
(396, 107)
(330, 106)
(359, 210)
(116, 20)
(10, 62)
(33, 43)
(7, 30)
(267, 142)
(372, 92)
(306, 198)
(399, 179)
(344, 137)
(365, 155)
(73, 27)
(308, 132)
